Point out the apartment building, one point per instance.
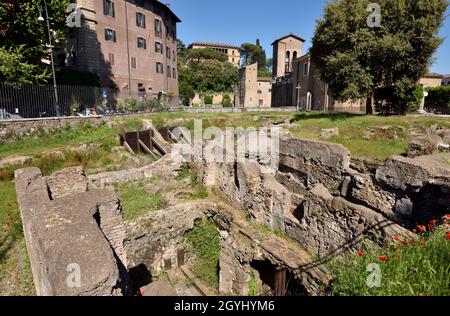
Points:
(233, 53)
(129, 42)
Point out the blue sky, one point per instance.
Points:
(240, 21)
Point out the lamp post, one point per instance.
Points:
(55, 88)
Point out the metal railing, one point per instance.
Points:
(37, 100)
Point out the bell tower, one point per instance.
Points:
(285, 51)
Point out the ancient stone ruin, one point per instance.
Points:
(322, 202)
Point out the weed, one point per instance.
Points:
(204, 243)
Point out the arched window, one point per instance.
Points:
(287, 64)
(294, 56)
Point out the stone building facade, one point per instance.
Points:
(285, 51)
(234, 56)
(431, 80)
(297, 82)
(131, 43)
(253, 91)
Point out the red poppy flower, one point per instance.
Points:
(360, 253)
(414, 241)
(384, 258)
(396, 238)
(447, 236)
(404, 243)
(421, 228)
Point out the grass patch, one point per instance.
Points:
(252, 284)
(408, 267)
(137, 201)
(200, 192)
(101, 156)
(15, 271)
(353, 131)
(204, 243)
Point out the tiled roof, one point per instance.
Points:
(221, 45)
(433, 75)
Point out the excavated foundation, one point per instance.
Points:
(319, 201)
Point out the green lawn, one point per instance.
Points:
(354, 131)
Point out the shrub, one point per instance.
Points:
(226, 101)
(187, 93)
(438, 100)
(132, 105)
(208, 99)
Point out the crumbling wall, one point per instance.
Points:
(74, 237)
(154, 239)
(242, 245)
(326, 201)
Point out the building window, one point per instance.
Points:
(305, 69)
(287, 62)
(173, 55)
(159, 68)
(168, 71)
(158, 47)
(110, 35)
(141, 43)
(158, 29)
(108, 8)
(140, 20)
(174, 73)
(133, 62)
(111, 59)
(168, 52)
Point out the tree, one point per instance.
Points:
(187, 93)
(15, 69)
(181, 49)
(206, 54)
(251, 53)
(19, 27)
(356, 59)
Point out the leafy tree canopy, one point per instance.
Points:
(356, 59)
(204, 70)
(206, 54)
(253, 53)
(21, 32)
(15, 69)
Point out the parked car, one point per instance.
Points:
(8, 116)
